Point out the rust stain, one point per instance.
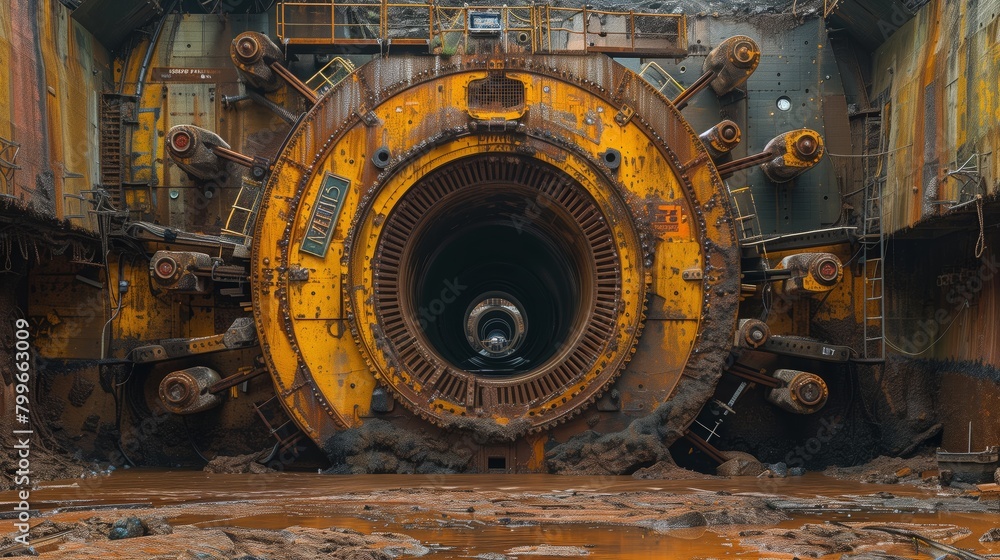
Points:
(54, 72)
(940, 72)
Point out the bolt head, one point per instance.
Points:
(809, 393)
(247, 49)
(729, 133)
(827, 271)
(743, 52)
(181, 141)
(165, 268)
(806, 145)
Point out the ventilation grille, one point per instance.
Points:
(496, 93)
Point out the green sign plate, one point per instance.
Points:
(324, 215)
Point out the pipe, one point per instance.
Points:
(705, 447)
(234, 380)
(296, 83)
(281, 112)
(701, 83)
(141, 80)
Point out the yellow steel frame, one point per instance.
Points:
(321, 353)
(330, 74)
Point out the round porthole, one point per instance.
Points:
(784, 103)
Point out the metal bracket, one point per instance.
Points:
(692, 274)
(624, 115)
(806, 348)
(369, 118)
(260, 168)
(240, 334)
(496, 126)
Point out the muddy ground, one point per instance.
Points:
(293, 516)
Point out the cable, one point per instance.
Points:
(938, 339)
(194, 446)
(121, 296)
(981, 242)
(798, 233)
(104, 329)
(115, 389)
(887, 152)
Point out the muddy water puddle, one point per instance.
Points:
(457, 541)
(162, 488)
(463, 516)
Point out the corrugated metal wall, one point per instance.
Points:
(939, 76)
(54, 71)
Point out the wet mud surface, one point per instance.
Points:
(282, 515)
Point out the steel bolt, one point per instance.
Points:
(806, 146)
(248, 49)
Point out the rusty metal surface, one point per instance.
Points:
(871, 22)
(939, 111)
(280, 323)
(596, 253)
(111, 21)
(733, 62)
(969, 400)
(664, 290)
(192, 75)
(794, 153)
(811, 273)
(193, 150)
(721, 138)
(187, 391)
(800, 392)
(48, 107)
(252, 54)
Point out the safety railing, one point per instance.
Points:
(325, 22)
(661, 80)
(330, 75)
(455, 29)
(587, 30)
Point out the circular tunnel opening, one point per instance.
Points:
(496, 282)
(495, 268)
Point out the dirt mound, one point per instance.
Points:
(239, 464)
(379, 447)
(889, 470)
(669, 471)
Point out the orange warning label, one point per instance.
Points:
(669, 221)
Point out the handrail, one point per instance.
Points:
(535, 28)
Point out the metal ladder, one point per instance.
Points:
(745, 210)
(286, 432)
(331, 74)
(111, 146)
(873, 240)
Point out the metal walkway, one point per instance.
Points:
(380, 26)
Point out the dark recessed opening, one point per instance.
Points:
(496, 463)
(510, 245)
